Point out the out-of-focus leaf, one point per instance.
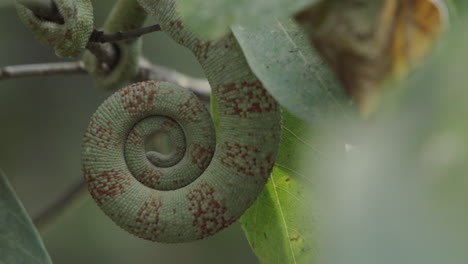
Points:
(212, 19)
(401, 195)
(459, 4)
(280, 224)
(19, 241)
(282, 58)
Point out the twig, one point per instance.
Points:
(60, 205)
(99, 36)
(100, 44)
(105, 53)
(149, 71)
(42, 69)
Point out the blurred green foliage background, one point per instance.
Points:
(42, 121)
(400, 195)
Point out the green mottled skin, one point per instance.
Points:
(68, 39)
(203, 185)
(125, 16)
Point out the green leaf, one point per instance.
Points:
(212, 19)
(279, 226)
(282, 58)
(19, 240)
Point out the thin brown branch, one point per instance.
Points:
(100, 36)
(42, 69)
(60, 205)
(100, 44)
(105, 53)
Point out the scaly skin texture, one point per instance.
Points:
(203, 186)
(68, 38)
(126, 15)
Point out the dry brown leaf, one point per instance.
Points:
(367, 42)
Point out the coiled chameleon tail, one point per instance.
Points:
(203, 186)
(68, 37)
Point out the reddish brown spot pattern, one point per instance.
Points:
(167, 126)
(210, 214)
(200, 156)
(176, 23)
(147, 222)
(135, 138)
(69, 11)
(69, 34)
(176, 27)
(150, 177)
(245, 99)
(201, 49)
(191, 110)
(244, 159)
(179, 151)
(106, 185)
(137, 99)
(99, 135)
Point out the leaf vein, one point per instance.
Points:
(283, 218)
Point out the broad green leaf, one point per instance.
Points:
(401, 196)
(212, 19)
(280, 224)
(282, 58)
(19, 241)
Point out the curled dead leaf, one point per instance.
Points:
(368, 42)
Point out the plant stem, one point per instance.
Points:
(146, 71)
(100, 36)
(59, 206)
(41, 69)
